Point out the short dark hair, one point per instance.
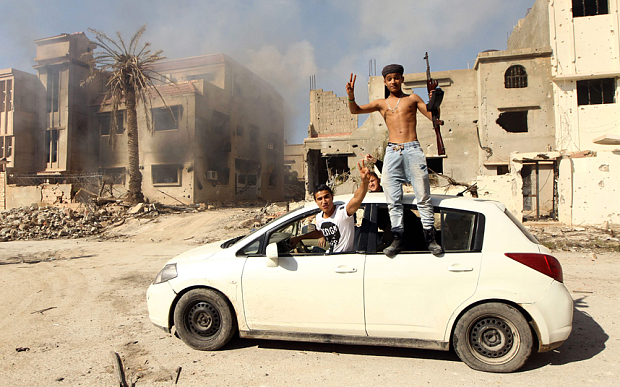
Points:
(321, 187)
(371, 174)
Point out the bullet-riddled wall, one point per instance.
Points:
(515, 102)
(329, 114)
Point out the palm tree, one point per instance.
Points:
(130, 74)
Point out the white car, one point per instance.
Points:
(495, 295)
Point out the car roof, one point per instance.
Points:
(445, 201)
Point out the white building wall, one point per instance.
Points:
(583, 48)
(588, 188)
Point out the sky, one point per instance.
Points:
(282, 41)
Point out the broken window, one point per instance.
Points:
(435, 164)
(590, 7)
(8, 146)
(513, 122)
(503, 170)
(114, 175)
(274, 142)
(596, 91)
(165, 174)
(105, 123)
(515, 77)
(167, 119)
(273, 180)
(223, 176)
(53, 89)
(6, 95)
(9, 95)
(51, 146)
(220, 124)
(254, 133)
(246, 179)
(337, 167)
(2, 95)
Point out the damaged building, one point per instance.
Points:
(220, 139)
(534, 126)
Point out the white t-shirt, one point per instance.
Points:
(338, 229)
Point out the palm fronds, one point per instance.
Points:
(130, 79)
(127, 68)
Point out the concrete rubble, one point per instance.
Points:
(94, 218)
(558, 237)
(48, 222)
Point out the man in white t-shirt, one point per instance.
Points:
(336, 222)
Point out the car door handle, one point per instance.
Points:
(345, 269)
(457, 267)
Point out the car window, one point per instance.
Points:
(413, 234)
(458, 230)
(251, 249)
(297, 227)
(304, 225)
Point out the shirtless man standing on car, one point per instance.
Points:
(404, 160)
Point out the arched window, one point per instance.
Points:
(515, 77)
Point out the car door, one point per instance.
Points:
(413, 294)
(309, 291)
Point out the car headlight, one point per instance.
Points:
(166, 274)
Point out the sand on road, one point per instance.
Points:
(66, 304)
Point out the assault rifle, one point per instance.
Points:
(433, 106)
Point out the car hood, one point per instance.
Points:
(199, 253)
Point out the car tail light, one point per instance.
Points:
(542, 263)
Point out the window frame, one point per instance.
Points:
(120, 123)
(477, 232)
(612, 85)
(584, 12)
(512, 119)
(178, 183)
(177, 112)
(512, 80)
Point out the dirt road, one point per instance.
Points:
(65, 304)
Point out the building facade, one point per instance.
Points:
(535, 126)
(220, 138)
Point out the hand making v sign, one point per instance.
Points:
(351, 87)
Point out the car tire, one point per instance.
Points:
(493, 337)
(204, 319)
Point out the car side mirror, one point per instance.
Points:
(308, 228)
(272, 255)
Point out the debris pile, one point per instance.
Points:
(52, 222)
(99, 214)
(583, 239)
(34, 222)
(256, 217)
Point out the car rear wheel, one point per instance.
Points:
(493, 337)
(204, 319)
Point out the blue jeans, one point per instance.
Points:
(406, 163)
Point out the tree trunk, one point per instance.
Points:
(135, 177)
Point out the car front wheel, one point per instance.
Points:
(493, 337)
(204, 319)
